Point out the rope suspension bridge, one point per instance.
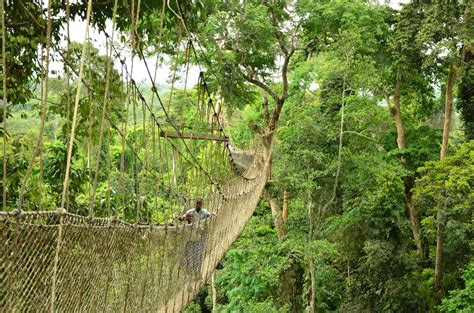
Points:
(104, 239)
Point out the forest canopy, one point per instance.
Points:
(366, 108)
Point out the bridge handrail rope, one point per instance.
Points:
(5, 104)
(193, 38)
(153, 115)
(122, 61)
(154, 90)
(201, 76)
(119, 132)
(119, 262)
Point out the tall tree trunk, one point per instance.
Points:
(312, 271)
(276, 212)
(466, 91)
(284, 214)
(277, 219)
(448, 110)
(397, 116)
(439, 249)
(407, 181)
(414, 216)
(312, 302)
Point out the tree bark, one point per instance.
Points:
(407, 181)
(397, 117)
(414, 217)
(312, 302)
(284, 214)
(439, 249)
(277, 219)
(312, 273)
(448, 110)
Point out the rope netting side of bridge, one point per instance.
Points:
(105, 264)
(87, 222)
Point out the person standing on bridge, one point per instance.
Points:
(196, 214)
(194, 249)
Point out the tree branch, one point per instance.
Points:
(266, 113)
(276, 31)
(396, 95)
(284, 93)
(284, 75)
(260, 84)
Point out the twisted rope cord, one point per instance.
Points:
(104, 110)
(44, 108)
(5, 104)
(88, 241)
(221, 128)
(76, 104)
(68, 164)
(119, 132)
(122, 61)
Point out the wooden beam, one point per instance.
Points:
(169, 134)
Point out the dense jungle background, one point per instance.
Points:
(368, 108)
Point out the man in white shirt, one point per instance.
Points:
(194, 249)
(196, 214)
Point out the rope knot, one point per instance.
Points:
(17, 212)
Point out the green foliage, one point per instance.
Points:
(252, 267)
(446, 188)
(466, 94)
(354, 230)
(448, 182)
(325, 22)
(461, 300)
(25, 36)
(241, 133)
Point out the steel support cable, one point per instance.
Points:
(114, 126)
(164, 110)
